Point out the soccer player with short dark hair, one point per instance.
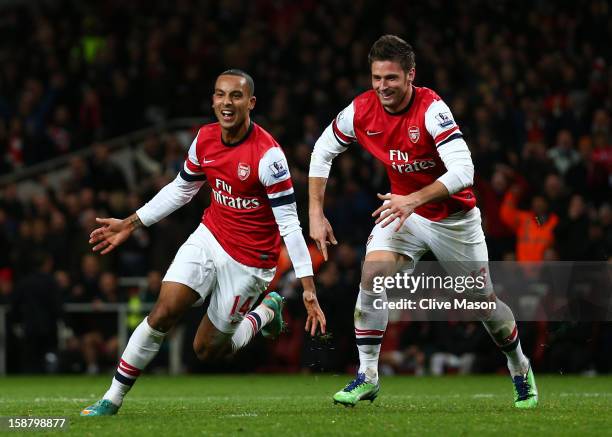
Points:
(233, 253)
(431, 207)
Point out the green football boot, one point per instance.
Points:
(274, 301)
(525, 390)
(103, 407)
(357, 390)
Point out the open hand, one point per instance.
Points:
(111, 234)
(316, 318)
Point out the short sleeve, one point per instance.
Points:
(440, 123)
(192, 170)
(275, 177)
(343, 127)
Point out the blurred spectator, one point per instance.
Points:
(6, 286)
(148, 159)
(5, 240)
(11, 204)
(572, 231)
(61, 132)
(86, 288)
(563, 154)
(588, 177)
(37, 306)
(534, 229)
(414, 350)
(500, 237)
(154, 281)
(90, 115)
(456, 347)
(605, 220)
(100, 344)
(79, 175)
(107, 175)
(555, 193)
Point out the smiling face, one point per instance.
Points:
(232, 102)
(392, 84)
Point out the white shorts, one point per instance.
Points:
(203, 265)
(457, 241)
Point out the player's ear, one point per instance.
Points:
(411, 74)
(252, 100)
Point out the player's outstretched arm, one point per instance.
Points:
(320, 228)
(113, 233)
(315, 316)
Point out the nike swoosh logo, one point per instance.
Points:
(208, 161)
(370, 133)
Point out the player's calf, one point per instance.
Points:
(141, 349)
(502, 327)
(145, 341)
(370, 326)
(210, 343)
(370, 319)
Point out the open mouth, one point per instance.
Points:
(227, 115)
(387, 97)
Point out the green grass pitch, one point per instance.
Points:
(301, 405)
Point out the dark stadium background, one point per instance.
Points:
(100, 100)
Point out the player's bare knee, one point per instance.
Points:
(372, 272)
(485, 312)
(207, 349)
(380, 264)
(162, 318)
(202, 352)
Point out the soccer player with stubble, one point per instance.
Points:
(431, 207)
(232, 254)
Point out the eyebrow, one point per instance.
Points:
(386, 75)
(219, 90)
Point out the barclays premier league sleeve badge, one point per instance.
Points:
(278, 169)
(444, 119)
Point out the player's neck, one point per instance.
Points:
(233, 137)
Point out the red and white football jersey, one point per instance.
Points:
(406, 143)
(248, 179)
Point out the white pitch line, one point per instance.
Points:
(242, 415)
(585, 395)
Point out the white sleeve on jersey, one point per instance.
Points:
(458, 161)
(275, 177)
(334, 140)
(170, 198)
(451, 146)
(192, 154)
(177, 193)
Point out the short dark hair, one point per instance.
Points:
(392, 48)
(236, 72)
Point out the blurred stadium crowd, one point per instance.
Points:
(530, 84)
